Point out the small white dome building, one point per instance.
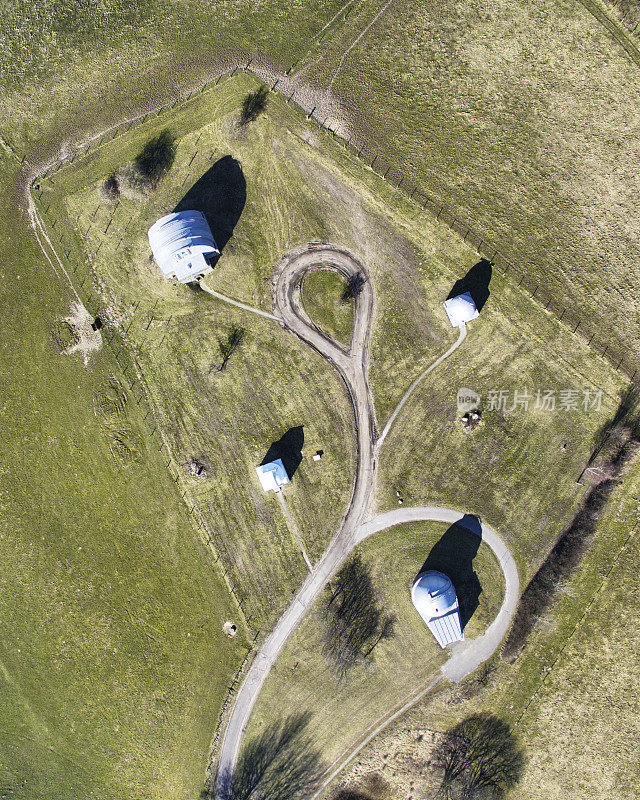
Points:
(460, 309)
(272, 475)
(183, 246)
(435, 599)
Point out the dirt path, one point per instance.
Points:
(294, 531)
(418, 380)
(356, 525)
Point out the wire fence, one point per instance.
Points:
(429, 202)
(116, 340)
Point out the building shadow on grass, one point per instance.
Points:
(220, 194)
(476, 282)
(289, 449)
(453, 555)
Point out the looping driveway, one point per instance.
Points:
(356, 525)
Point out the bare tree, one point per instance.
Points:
(478, 759)
(355, 284)
(281, 763)
(253, 105)
(228, 347)
(354, 622)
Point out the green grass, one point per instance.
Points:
(515, 471)
(72, 65)
(113, 664)
(322, 298)
(568, 697)
(303, 678)
(478, 103)
(588, 702)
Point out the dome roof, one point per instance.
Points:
(433, 594)
(435, 599)
(183, 245)
(460, 309)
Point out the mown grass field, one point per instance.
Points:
(74, 66)
(113, 663)
(482, 104)
(521, 119)
(303, 678)
(323, 300)
(517, 470)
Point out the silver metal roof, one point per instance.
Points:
(460, 309)
(434, 598)
(183, 245)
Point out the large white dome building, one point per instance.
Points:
(435, 599)
(183, 246)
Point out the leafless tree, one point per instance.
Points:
(253, 105)
(229, 346)
(477, 759)
(354, 623)
(355, 284)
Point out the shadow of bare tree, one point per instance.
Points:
(479, 757)
(281, 763)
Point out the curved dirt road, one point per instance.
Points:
(356, 524)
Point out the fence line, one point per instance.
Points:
(392, 174)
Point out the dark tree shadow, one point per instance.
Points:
(281, 763)
(479, 757)
(220, 194)
(156, 157)
(288, 448)
(453, 555)
(354, 286)
(476, 282)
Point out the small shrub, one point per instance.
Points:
(110, 189)
(138, 179)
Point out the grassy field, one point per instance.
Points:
(582, 721)
(567, 698)
(284, 189)
(113, 663)
(498, 131)
(291, 184)
(76, 66)
(414, 263)
(478, 102)
(323, 299)
(303, 679)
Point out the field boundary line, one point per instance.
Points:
(615, 28)
(358, 39)
(581, 619)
